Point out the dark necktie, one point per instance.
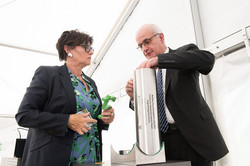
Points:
(161, 107)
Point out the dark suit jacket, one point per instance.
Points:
(185, 102)
(45, 110)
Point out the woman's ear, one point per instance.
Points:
(66, 49)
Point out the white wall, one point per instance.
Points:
(231, 93)
(220, 18)
(229, 79)
(17, 70)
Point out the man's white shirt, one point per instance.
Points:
(169, 116)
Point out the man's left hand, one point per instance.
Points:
(150, 63)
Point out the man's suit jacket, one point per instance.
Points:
(185, 102)
(45, 110)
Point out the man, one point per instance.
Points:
(192, 133)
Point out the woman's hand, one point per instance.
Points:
(79, 123)
(108, 116)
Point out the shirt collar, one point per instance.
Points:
(167, 50)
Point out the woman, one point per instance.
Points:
(60, 133)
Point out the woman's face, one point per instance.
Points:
(82, 55)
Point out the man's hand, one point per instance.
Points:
(150, 63)
(129, 89)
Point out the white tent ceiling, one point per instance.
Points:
(29, 31)
(37, 24)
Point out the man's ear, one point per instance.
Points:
(161, 35)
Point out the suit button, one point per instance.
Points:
(52, 132)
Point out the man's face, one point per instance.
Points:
(150, 43)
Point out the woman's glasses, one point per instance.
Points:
(87, 48)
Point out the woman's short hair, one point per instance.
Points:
(72, 39)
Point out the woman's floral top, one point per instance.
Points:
(86, 147)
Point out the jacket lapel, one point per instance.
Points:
(65, 79)
(95, 90)
(168, 75)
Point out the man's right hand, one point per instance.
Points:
(129, 89)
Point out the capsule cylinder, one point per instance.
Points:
(145, 105)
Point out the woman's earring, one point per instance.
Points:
(70, 55)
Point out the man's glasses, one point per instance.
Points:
(87, 48)
(146, 41)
